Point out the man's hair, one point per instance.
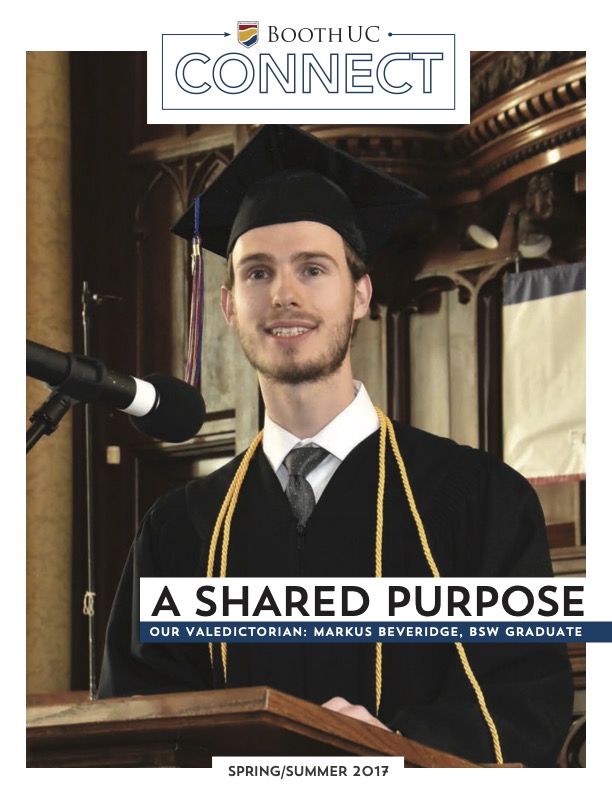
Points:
(356, 265)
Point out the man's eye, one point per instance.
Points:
(258, 274)
(313, 270)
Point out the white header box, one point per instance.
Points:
(350, 73)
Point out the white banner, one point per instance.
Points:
(304, 600)
(544, 373)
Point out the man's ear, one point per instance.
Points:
(363, 295)
(227, 305)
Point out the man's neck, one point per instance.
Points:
(306, 408)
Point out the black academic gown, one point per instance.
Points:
(482, 519)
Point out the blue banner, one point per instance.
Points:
(374, 632)
(547, 282)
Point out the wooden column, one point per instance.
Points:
(48, 322)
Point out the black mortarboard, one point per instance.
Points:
(285, 174)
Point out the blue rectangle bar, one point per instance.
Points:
(374, 632)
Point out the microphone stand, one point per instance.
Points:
(87, 300)
(88, 599)
(45, 420)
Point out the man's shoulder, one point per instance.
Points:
(442, 453)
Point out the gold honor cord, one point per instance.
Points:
(225, 517)
(435, 572)
(380, 498)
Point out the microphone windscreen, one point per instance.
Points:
(178, 414)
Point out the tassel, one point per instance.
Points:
(196, 321)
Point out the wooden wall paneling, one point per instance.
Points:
(162, 291)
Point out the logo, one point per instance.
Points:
(277, 69)
(248, 33)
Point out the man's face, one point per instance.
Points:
(294, 302)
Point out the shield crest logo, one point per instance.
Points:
(248, 33)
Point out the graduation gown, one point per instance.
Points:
(481, 518)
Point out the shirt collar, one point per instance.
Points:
(338, 437)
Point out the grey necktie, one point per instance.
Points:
(299, 463)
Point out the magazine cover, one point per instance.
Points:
(306, 362)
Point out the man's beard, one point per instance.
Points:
(290, 371)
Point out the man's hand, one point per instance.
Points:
(341, 705)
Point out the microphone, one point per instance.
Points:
(161, 406)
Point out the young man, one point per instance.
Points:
(305, 496)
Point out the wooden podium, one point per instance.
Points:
(188, 729)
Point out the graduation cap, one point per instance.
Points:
(284, 175)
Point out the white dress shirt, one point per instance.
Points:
(338, 438)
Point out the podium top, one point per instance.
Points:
(188, 729)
